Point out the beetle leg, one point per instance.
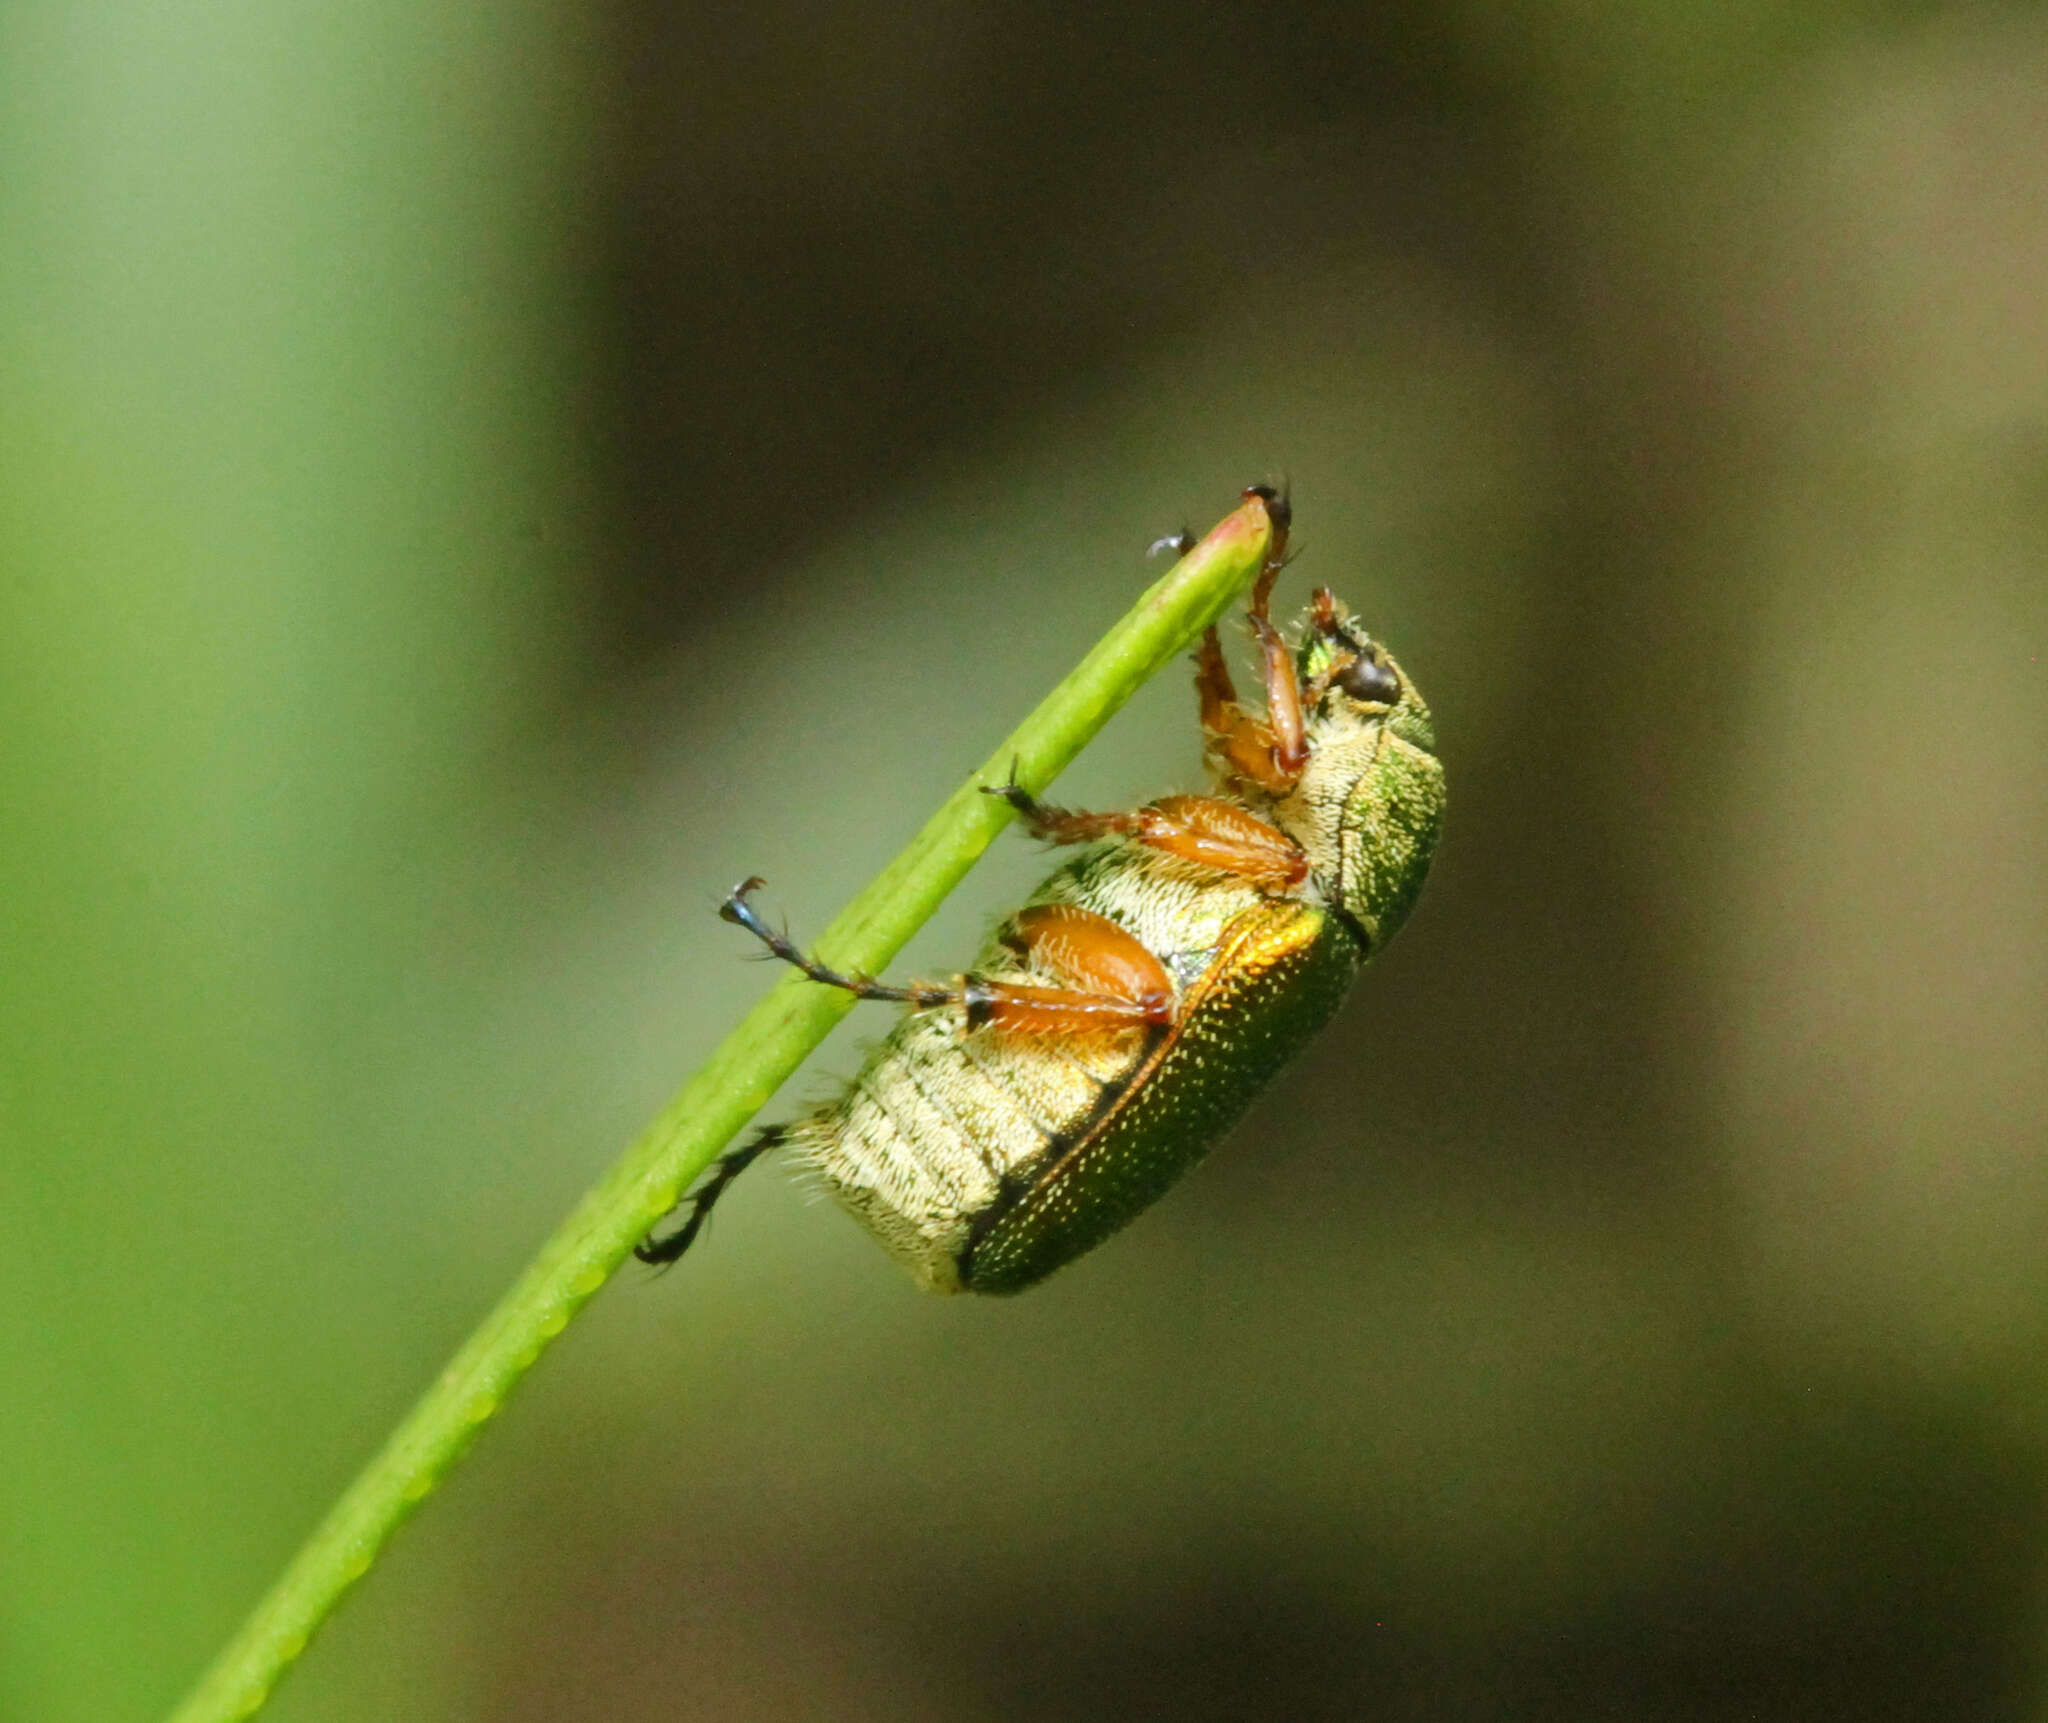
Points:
(1134, 991)
(1226, 836)
(662, 1250)
(739, 911)
(1288, 748)
(1267, 752)
(1204, 829)
(1124, 985)
(1119, 985)
(1057, 825)
(1213, 686)
(1246, 746)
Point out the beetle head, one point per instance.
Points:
(1370, 804)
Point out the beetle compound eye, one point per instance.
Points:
(1367, 679)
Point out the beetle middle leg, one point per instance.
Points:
(1205, 829)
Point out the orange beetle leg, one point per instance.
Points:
(1119, 985)
(1213, 687)
(1251, 755)
(1226, 837)
(740, 912)
(1283, 690)
(1058, 825)
(1283, 709)
(1267, 753)
(1203, 829)
(1245, 743)
(1280, 512)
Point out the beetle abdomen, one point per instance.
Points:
(984, 1161)
(1281, 971)
(943, 1125)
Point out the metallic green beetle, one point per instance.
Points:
(1117, 1025)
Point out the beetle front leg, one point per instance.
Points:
(1267, 752)
(1277, 750)
(1214, 690)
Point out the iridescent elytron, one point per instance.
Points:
(1123, 1019)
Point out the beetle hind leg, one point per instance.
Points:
(741, 913)
(1108, 981)
(662, 1249)
(1123, 985)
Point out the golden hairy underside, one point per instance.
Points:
(984, 1160)
(1283, 970)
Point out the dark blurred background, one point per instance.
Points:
(476, 481)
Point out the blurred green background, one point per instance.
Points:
(476, 481)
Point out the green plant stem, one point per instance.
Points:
(733, 1084)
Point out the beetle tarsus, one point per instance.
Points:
(1027, 807)
(738, 910)
(1279, 507)
(1058, 825)
(1012, 790)
(660, 1250)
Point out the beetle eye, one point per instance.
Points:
(1366, 678)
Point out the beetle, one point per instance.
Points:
(1118, 1024)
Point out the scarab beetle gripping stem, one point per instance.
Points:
(1115, 1026)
